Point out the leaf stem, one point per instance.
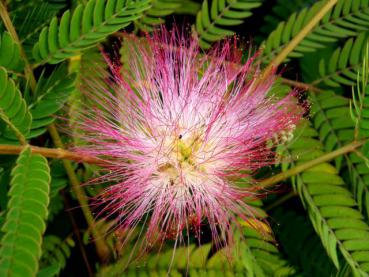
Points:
(280, 200)
(302, 167)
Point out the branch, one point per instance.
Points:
(302, 167)
(54, 153)
(301, 85)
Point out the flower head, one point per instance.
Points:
(175, 129)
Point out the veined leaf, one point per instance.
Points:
(26, 215)
(84, 27)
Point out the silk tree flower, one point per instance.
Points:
(174, 129)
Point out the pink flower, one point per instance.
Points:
(175, 129)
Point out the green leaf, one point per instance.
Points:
(254, 254)
(13, 109)
(55, 252)
(49, 97)
(322, 210)
(212, 25)
(26, 215)
(29, 17)
(331, 117)
(348, 18)
(83, 28)
(302, 245)
(281, 10)
(10, 57)
(341, 68)
(154, 16)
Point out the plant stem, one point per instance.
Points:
(55, 153)
(280, 200)
(301, 85)
(101, 247)
(298, 38)
(302, 167)
(76, 232)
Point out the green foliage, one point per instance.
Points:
(26, 215)
(348, 18)
(29, 17)
(13, 109)
(301, 244)
(281, 10)
(253, 255)
(335, 195)
(55, 253)
(84, 27)
(154, 16)
(49, 97)
(10, 53)
(360, 107)
(59, 181)
(343, 65)
(330, 205)
(213, 25)
(331, 117)
(359, 169)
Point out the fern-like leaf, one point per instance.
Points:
(10, 53)
(213, 25)
(348, 18)
(58, 182)
(281, 10)
(84, 27)
(55, 252)
(255, 254)
(50, 95)
(341, 68)
(301, 244)
(331, 207)
(29, 17)
(26, 215)
(331, 117)
(154, 16)
(13, 109)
